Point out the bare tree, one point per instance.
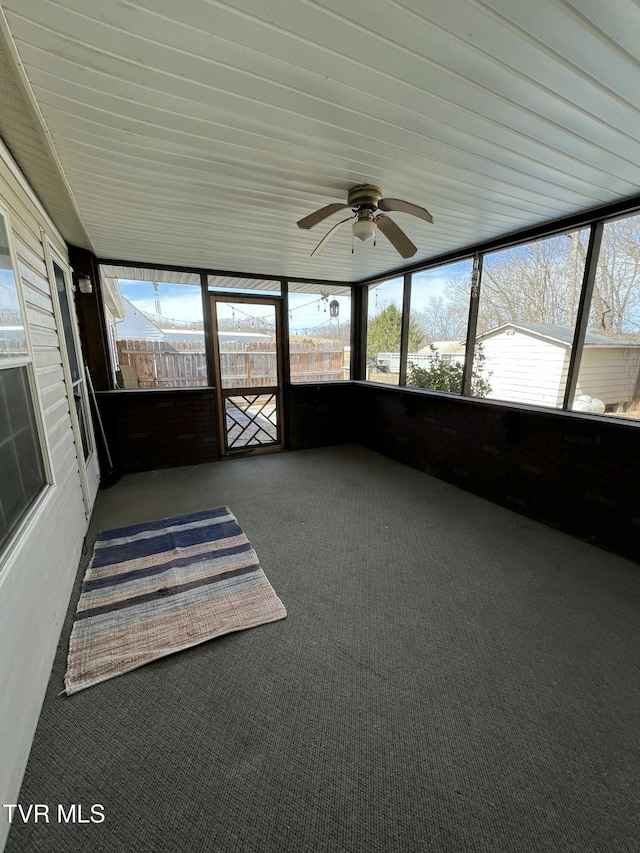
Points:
(540, 282)
(441, 319)
(444, 317)
(615, 306)
(534, 283)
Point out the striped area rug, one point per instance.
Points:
(157, 588)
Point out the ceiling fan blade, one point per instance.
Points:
(396, 237)
(328, 236)
(319, 215)
(401, 206)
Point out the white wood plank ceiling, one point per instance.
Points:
(199, 132)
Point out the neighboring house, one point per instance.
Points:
(137, 325)
(528, 363)
(125, 321)
(148, 350)
(450, 352)
(114, 312)
(244, 338)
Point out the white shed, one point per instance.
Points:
(528, 363)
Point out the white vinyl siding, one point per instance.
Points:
(609, 374)
(38, 567)
(75, 379)
(521, 368)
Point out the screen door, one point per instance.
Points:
(248, 357)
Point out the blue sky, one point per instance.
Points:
(184, 302)
(425, 285)
(8, 292)
(178, 301)
(307, 310)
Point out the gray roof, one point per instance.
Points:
(564, 334)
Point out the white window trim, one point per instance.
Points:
(51, 256)
(10, 547)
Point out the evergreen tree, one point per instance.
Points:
(384, 331)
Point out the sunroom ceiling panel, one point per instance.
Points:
(199, 133)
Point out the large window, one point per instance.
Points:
(609, 375)
(319, 332)
(526, 323)
(384, 330)
(438, 327)
(21, 461)
(526, 320)
(523, 325)
(155, 325)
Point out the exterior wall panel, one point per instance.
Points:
(38, 570)
(609, 374)
(523, 369)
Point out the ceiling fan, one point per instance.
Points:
(369, 213)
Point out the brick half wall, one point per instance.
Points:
(159, 429)
(579, 474)
(319, 415)
(150, 429)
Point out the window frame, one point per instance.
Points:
(592, 225)
(404, 282)
(110, 347)
(287, 289)
(30, 512)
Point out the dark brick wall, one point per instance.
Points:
(164, 429)
(319, 415)
(579, 474)
(160, 429)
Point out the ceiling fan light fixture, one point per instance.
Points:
(369, 215)
(364, 229)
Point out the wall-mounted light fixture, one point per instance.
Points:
(84, 283)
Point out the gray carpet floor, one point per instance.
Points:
(451, 677)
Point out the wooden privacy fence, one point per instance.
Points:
(318, 361)
(160, 364)
(252, 365)
(248, 365)
(13, 346)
